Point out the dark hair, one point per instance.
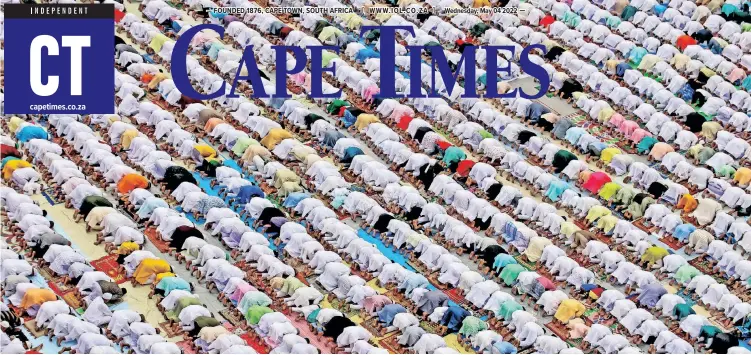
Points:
(44, 213)
(124, 290)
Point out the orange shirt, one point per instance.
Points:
(37, 296)
(130, 182)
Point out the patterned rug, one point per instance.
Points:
(527, 350)
(433, 278)
(168, 332)
(231, 318)
(391, 344)
(72, 299)
(582, 224)
(341, 306)
(604, 238)
(524, 262)
(639, 223)
(253, 343)
(109, 266)
(154, 239)
(456, 296)
(559, 330)
(431, 327)
(374, 327)
(704, 267)
(49, 194)
(186, 346)
(672, 243)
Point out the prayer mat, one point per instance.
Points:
(391, 344)
(431, 327)
(72, 299)
(704, 267)
(304, 329)
(341, 306)
(672, 243)
(109, 266)
(374, 327)
(456, 296)
(31, 325)
(524, 262)
(49, 194)
(168, 332)
(604, 238)
(259, 347)
(186, 346)
(639, 223)
(581, 224)
(558, 329)
(433, 278)
(151, 234)
(231, 318)
(527, 350)
(626, 147)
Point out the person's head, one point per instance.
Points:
(158, 331)
(123, 290)
(192, 287)
(52, 224)
(143, 318)
(44, 214)
(4, 325)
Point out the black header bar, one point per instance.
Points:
(59, 11)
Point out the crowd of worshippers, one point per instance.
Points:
(701, 211)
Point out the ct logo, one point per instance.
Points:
(76, 45)
(63, 59)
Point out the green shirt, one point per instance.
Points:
(472, 325)
(254, 314)
(511, 272)
(682, 311)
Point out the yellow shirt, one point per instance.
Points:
(158, 78)
(205, 150)
(148, 268)
(275, 136)
(14, 123)
(12, 166)
(127, 137)
(364, 120)
(742, 176)
(480, 3)
(568, 309)
(127, 248)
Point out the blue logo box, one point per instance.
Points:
(60, 58)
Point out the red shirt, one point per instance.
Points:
(464, 167)
(684, 41)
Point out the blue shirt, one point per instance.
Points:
(388, 312)
(249, 191)
(454, 317)
(31, 132)
(149, 205)
(504, 347)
